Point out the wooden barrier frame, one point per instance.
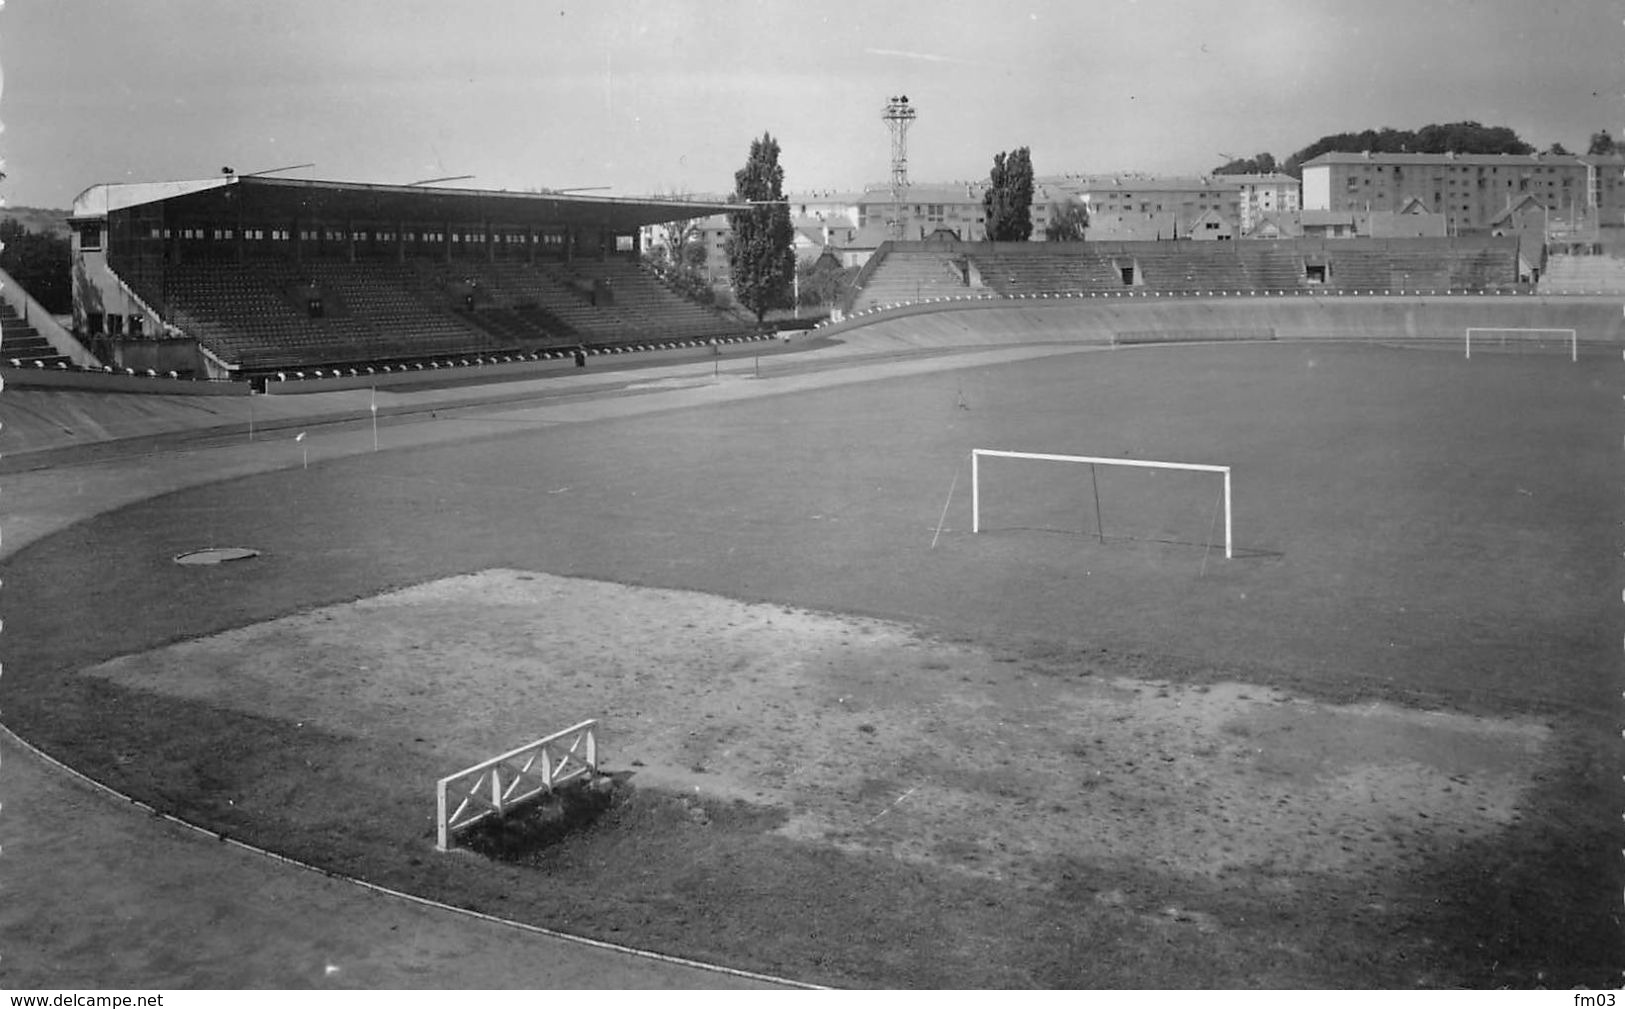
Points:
(496, 786)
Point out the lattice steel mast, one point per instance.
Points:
(898, 115)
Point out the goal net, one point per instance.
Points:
(1523, 340)
(1104, 498)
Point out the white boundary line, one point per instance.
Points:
(976, 483)
(463, 912)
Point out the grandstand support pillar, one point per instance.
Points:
(400, 241)
(530, 244)
(490, 244)
(349, 240)
(297, 237)
(569, 245)
(445, 241)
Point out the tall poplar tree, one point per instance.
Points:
(760, 245)
(1008, 202)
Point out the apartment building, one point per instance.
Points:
(1470, 191)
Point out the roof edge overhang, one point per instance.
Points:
(99, 200)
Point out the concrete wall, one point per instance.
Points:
(91, 381)
(1598, 321)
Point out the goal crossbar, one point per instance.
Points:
(976, 481)
(1573, 336)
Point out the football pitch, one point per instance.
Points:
(856, 743)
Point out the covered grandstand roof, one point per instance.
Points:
(289, 198)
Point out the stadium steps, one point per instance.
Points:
(910, 275)
(21, 345)
(1585, 274)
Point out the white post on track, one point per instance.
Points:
(1227, 539)
(975, 493)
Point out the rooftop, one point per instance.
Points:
(237, 195)
(1377, 157)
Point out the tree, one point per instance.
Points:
(676, 234)
(1008, 201)
(824, 282)
(41, 263)
(1557, 148)
(1460, 138)
(1067, 221)
(1602, 143)
(1258, 164)
(761, 249)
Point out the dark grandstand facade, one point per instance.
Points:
(247, 277)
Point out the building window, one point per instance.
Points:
(90, 237)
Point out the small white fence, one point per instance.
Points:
(494, 787)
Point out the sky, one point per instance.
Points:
(665, 97)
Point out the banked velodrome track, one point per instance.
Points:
(135, 901)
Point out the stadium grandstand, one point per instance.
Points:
(909, 272)
(253, 278)
(246, 277)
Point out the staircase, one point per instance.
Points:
(21, 345)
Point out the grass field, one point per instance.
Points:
(1131, 763)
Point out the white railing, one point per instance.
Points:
(494, 787)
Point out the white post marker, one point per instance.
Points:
(374, 405)
(304, 450)
(976, 481)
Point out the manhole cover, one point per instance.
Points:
(215, 555)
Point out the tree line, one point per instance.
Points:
(1438, 138)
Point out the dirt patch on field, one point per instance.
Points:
(870, 738)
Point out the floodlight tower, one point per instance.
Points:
(898, 115)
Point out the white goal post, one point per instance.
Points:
(976, 478)
(1486, 333)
